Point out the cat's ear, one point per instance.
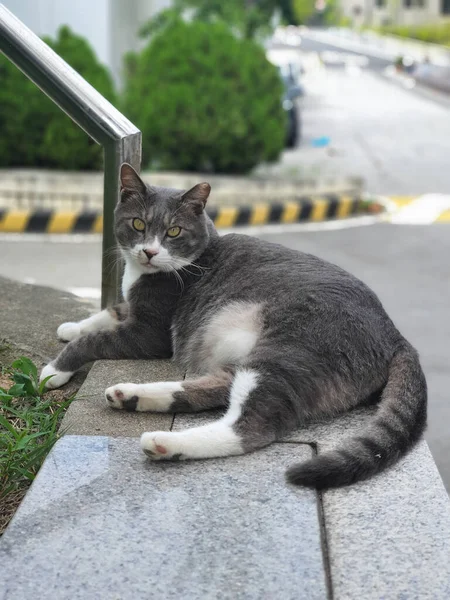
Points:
(130, 182)
(197, 196)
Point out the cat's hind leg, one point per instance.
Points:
(240, 430)
(105, 320)
(210, 391)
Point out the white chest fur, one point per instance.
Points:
(131, 274)
(231, 334)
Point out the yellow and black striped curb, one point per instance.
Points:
(311, 209)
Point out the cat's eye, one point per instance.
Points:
(174, 232)
(138, 224)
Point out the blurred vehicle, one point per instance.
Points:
(292, 91)
(290, 70)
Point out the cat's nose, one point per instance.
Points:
(150, 252)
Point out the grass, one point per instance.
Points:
(29, 422)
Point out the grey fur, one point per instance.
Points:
(324, 345)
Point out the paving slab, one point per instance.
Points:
(101, 521)
(389, 537)
(89, 415)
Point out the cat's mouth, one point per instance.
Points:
(149, 267)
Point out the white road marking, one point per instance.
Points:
(423, 210)
(86, 292)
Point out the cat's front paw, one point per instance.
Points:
(58, 378)
(122, 396)
(68, 332)
(162, 445)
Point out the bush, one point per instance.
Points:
(205, 100)
(34, 131)
(433, 33)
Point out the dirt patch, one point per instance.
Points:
(9, 505)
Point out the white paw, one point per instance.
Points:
(122, 396)
(162, 445)
(68, 332)
(59, 377)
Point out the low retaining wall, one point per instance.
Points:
(37, 189)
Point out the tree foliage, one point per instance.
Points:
(246, 18)
(35, 132)
(205, 100)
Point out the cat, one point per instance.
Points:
(275, 336)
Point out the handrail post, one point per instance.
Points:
(120, 139)
(128, 150)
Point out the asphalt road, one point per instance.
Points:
(397, 140)
(407, 266)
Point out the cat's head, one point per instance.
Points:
(160, 229)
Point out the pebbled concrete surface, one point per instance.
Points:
(89, 415)
(389, 537)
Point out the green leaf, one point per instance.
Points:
(27, 366)
(44, 383)
(7, 425)
(26, 381)
(17, 390)
(27, 438)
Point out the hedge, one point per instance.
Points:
(205, 100)
(34, 131)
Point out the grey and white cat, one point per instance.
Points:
(277, 338)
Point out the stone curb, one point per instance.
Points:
(305, 209)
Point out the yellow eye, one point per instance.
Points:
(138, 224)
(174, 232)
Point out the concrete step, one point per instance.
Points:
(101, 521)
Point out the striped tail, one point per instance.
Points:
(396, 427)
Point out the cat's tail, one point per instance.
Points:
(397, 426)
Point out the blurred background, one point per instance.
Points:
(257, 96)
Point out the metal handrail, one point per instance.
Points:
(120, 139)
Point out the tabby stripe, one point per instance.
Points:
(373, 446)
(402, 415)
(391, 430)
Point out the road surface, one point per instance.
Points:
(397, 140)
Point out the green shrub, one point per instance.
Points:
(34, 131)
(432, 33)
(205, 100)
